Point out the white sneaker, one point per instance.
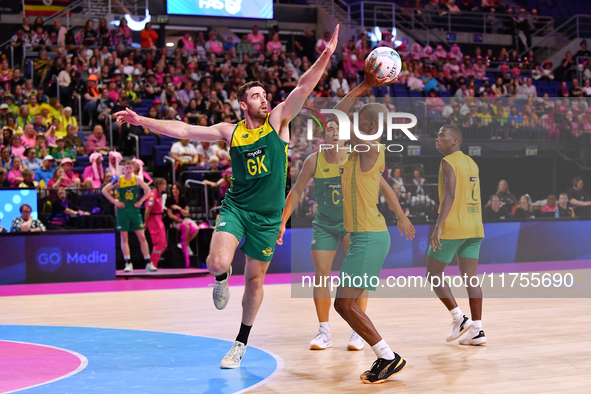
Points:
(475, 337)
(459, 328)
(128, 267)
(221, 292)
(356, 342)
(234, 356)
(150, 267)
(321, 341)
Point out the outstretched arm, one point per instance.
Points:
(295, 193)
(371, 80)
(180, 130)
(287, 110)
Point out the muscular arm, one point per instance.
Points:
(295, 193)
(107, 189)
(449, 180)
(391, 198)
(404, 224)
(287, 110)
(145, 188)
(180, 130)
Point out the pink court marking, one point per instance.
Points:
(26, 365)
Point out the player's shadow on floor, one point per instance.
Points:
(453, 362)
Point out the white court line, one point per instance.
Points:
(83, 364)
(84, 360)
(278, 370)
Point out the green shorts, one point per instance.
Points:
(468, 248)
(326, 236)
(365, 258)
(129, 219)
(260, 230)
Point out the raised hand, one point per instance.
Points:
(334, 40)
(127, 116)
(371, 78)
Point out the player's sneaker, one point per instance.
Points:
(128, 267)
(221, 292)
(459, 328)
(475, 337)
(150, 267)
(355, 342)
(322, 340)
(382, 369)
(234, 356)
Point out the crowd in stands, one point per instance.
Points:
(90, 74)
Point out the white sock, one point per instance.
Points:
(456, 313)
(382, 350)
(127, 258)
(147, 257)
(324, 326)
(477, 325)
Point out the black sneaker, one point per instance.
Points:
(382, 369)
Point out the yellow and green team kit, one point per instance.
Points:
(252, 206)
(370, 239)
(129, 218)
(462, 231)
(327, 226)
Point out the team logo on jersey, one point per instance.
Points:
(326, 169)
(245, 135)
(267, 252)
(313, 242)
(222, 224)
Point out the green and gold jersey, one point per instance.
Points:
(327, 190)
(128, 191)
(259, 169)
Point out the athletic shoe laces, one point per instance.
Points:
(234, 353)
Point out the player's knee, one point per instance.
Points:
(216, 265)
(254, 283)
(342, 306)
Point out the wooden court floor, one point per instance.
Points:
(534, 345)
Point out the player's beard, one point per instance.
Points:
(257, 114)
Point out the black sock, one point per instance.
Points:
(127, 261)
(243, 333)
(221, 277)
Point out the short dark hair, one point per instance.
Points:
(576, 180)
(24, 205)
(454, 129)
(241, 93)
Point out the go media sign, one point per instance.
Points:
(50, 259)
(64, 258)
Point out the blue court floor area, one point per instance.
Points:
(132, 361)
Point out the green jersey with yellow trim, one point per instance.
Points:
(259, 168)
(128, 191)
(327, 190)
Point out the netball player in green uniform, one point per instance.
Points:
(129, 217)
(252, 207)
(328, 230)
